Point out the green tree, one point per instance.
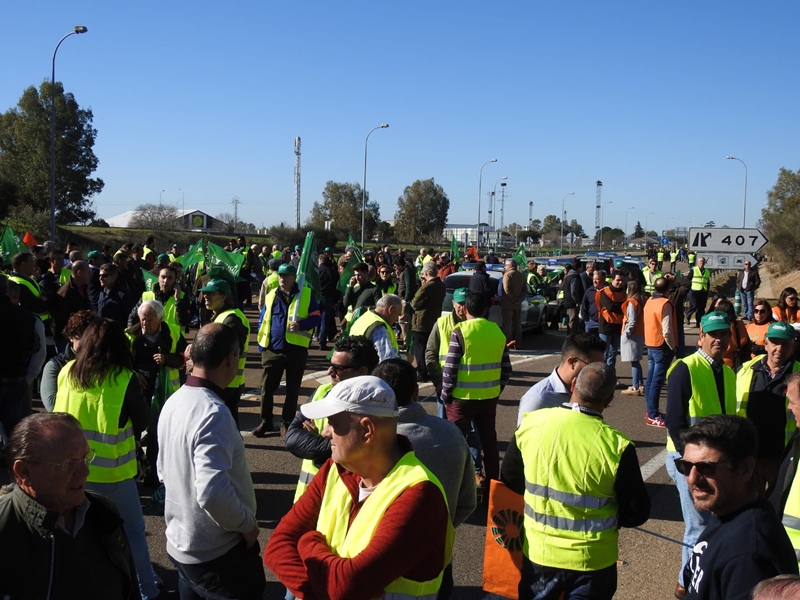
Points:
(536, 225)
(341, 204)
(552, 224)
(25, 155)
(780, 219)
(421, 212)
(638, 231)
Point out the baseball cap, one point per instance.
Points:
(715, 321)
(327, 249)
(297, 247)
(287, 269)
(93, 254)
(274, 263)
(159, 258)
(174, 245)
(363, 395)
(780, 330)
(460, 295)
(217, 285)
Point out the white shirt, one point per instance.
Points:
(548, 393)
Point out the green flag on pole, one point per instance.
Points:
(356, 251)
(520, 258)
(193, 256)
(10, 244)
(455, 255)
(150, 280)
(344, 278)
(307, 274)
(229, 260)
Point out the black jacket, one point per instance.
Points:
(305, 444)
(21, 341)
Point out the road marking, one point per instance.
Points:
(654, 464)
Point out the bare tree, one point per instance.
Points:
(156, 216)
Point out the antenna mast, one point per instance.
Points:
(297, 183)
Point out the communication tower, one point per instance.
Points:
(297, 182)
(597, 205)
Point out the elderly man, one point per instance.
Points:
(514, 292)
(284, 335)
(176, 302)
(744, 542)
(331, 543)
(218, 298)
(581, 481)
(377, 324)
(427, 307)
(53, 523)
(212, 531)
(747, 282)
(439, 340)
(698, 295)
(785, 493)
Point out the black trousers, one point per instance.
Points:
(231, 397)
(292, 361)
(420, 341)
(697, 305)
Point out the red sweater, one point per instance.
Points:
(409, 542)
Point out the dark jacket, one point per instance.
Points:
(73, 299)
(328, 281)
(43, 558)
(21, 341)
(366, 295)
(427, 305)
(481, 282)
(116, 304)
(143, 352)
(573, 289)
(305, 444)
(753, 280)
(183, 310)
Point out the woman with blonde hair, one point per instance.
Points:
(632, 340)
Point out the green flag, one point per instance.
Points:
(455, 255)
(150, 281)
(356, 251)
(520, 258)
(193, 256)
(230, 260)
(307, 274)
(344, 278)
(10, 244)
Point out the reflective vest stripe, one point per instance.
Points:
(306, 477)
(700, 279)
(238, 381)
(744, 380)
(297, 338)
(307, 468)
(577, 500)
(108, 438)
(582, 526)
(479, 370)
(478, 385)
(485, 367)
(113, 463)
(34, 289)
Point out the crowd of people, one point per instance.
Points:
(383, 485)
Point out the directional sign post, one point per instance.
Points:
(727, 261)
(726, 240)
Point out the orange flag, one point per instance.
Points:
(29, 240)
(502, 558)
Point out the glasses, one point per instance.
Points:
(71, 465)
(705, 468)
(580, 360)
(759, 311)
(339, 368)
(105, 275)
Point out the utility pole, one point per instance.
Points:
(297, 183)
(597, 204)
(502, 202)
(235, 202)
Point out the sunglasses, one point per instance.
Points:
(759, 310)
(705, 468)
(339, 368)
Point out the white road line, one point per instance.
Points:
(654, 464)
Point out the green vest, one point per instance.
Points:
(238, 381)
(744, 379)
(445, 325)
(650, 280)
(479, 370)
(98, 409)
(170, 308)
(571, 461)
(704, 400)
(347, 539)
(368, 322)
(307, 468)
(700, 279)
(297, 338)
(34, 289)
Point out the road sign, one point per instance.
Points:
(722, 239)
(727, 261)
(665, 241)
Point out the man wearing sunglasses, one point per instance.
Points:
(744, 542)
(53, 524)
(697, 386)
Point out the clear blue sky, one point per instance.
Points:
(207, 97)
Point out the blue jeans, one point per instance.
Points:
(327, 326)
(658, 361)
(239, 573)
(747, 303)
(636, 374)
(125, 495)
(548, 583)
(694, 521)
(612, 347)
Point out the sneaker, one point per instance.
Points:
(631, 391)
(641, 390)
(657, 421)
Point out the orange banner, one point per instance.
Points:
(502, 559)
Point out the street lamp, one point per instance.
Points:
(160, 194)
(602, 210)
(494, 202)
(480, 189)
(75, 30)
(625, 236)
(561, 249)
(364, 188)
(744, 204)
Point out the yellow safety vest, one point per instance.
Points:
(791, 515)
(173, 374)
(307, 468)
(238, 381)
(298, 338)
(276, 254)
(98, 409)
(704, 400)
(744, 379)
(272, 281)
(368, 322)
(349, 539)
(691, 256)
(146, 251)
(673, 257)
(479, 370)
(34, 289)
(172, 257)
(170, 308)
(571, 461)
(700, 279)
(390, 290)
(650, 280)
(63, 276)
(445, 325)
(660, 256)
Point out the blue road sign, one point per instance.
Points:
(665, 241)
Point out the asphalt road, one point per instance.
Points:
(648, 564)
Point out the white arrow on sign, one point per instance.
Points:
(717, 239)
(728, 261)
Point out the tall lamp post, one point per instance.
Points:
(561, 249)
(75, 30)
(625, 236)
(602, 211)
(480, 190)
(494, 204)
(744, 204)
(364, 188)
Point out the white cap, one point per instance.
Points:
(363, 395)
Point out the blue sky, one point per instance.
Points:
(207, 97)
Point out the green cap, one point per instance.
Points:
(297, 247)
(618, 264)
(160, 258)
(460, 295)
(327, 249)
(217, 285)
(715, 321)
(780, 330)
(93, 254)
(287, 269)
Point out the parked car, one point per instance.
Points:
(534, 307)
